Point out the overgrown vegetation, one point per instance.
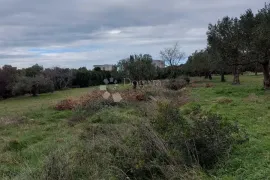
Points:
(152, 139)
(180, 128)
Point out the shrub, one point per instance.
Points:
(113, 152)
(126, 152)
(176, 84)
(33, 85)
(57, 166)
(44, 84)
(209, 138)
(201, 138)
(23, 86)
(167, 117)
(186, 78)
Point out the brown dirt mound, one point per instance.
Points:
(66, 104)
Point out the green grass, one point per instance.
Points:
(19, 105)
(250, 107)
(24, 146)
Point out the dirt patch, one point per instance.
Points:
(12, 120)
(208, 85)
(224, 100)
(252, 98)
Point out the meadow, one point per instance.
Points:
(34, 136)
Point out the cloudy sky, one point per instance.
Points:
(76, 33)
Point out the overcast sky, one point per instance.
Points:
(76, 33)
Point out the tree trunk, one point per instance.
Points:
(205, 75)
(222, 76)
(266, 75)
(236, 80)
(256, 69)
(210, 76)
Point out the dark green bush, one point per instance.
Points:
(33, 85)
(201, 138)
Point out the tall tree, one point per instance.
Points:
(261, 42)
(225, 38)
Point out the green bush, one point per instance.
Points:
(201, 138)
(23, 86)
(33, 85)
(44, 84)
(114, 152)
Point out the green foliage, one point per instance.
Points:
(119, 142)
(199, 63)
(33, 71)
(8, 76)
(138, 67)
(23, 86)
(242, 43)
(33, 85)
(82, 77)
(201, 138)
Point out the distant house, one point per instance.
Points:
(105, 67)
(159, 63)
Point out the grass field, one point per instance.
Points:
(19, 105)
(30, 129)
(250, 106)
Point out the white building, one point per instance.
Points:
(159, 63)
(105, 67)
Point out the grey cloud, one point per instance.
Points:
(144, 26)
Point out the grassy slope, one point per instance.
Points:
(45, 128)
(250, 106)
(20, 105)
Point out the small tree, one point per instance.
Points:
(199, 63)
(138, 67)
(62, 78)
(172, 57)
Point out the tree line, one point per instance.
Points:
(235, 45)
(36, 79)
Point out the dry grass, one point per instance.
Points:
(12, 120)
(252, 98)
(223, 100)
